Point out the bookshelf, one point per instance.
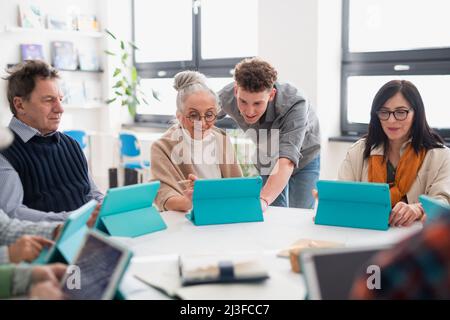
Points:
(79, 70)
(84, 89)
(92, 115)
(10, 65)
(86, 106)
(61, 33)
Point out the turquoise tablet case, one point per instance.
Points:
(353, 204)
(129, 212)
(71, 237)
(433, 208)
(227, 200)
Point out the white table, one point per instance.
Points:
(281, 228)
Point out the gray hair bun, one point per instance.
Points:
(185, 79)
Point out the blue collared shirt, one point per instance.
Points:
(11, 189)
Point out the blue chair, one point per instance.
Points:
(79, 136)
(130, 147)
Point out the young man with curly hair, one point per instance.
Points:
(285, 128)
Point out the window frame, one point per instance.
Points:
(420, 62)
(209, 67)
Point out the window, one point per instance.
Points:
(166, 104)
(163, 32)
(210, 36)
(402, 39)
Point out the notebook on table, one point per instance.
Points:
(215, 268)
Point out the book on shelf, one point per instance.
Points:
(64, 56)
(93, 92)
(55, 22)
(73, 11)
(73, 93)
(87, 22)
(32, 52)
(30, 15)
(81, 93)
(89, 60)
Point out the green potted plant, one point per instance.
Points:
(127, 87)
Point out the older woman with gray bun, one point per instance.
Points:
(193, 148)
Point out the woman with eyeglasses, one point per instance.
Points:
(400, 149)
(193, 148)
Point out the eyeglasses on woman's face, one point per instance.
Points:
(195, 116)
(399, 114)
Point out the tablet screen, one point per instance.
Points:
(97, 262)
(336, 272)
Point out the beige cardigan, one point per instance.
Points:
(169, 165)
(433, 178)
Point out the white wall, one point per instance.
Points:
(288, 38)
(328, 85)
(116, 17)
(302, 39)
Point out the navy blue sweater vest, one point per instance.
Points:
(53, 172)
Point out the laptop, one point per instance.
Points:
(330, 273)
(97, 269)
(129, 212)
(433, 208)
(226, 200)
(70, 237)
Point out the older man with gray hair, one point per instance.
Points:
(44, 172)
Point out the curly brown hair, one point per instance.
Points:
(22, 79)
(255, 75)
